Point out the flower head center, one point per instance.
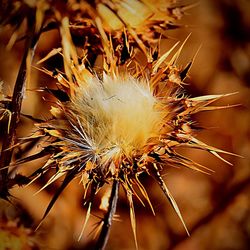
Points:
(119, 115)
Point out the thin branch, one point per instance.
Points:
(15, 108)
(107, 221)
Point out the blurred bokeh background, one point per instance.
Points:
(216, 207)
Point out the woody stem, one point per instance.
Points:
(9, 137)
(107, 221)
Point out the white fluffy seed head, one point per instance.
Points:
(119, 115)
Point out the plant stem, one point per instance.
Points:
(15, 108)
(104, 235)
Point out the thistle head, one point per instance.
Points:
(126, 119)
(113, 126)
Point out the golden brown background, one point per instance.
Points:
(216, 208)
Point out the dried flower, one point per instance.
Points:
(113, 127)
(90, 20)
(140, 23)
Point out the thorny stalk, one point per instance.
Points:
(9, 137)
(107, 221)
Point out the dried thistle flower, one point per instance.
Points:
(140, 23)
(113, 127)
(89, 19)
(29, 19)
